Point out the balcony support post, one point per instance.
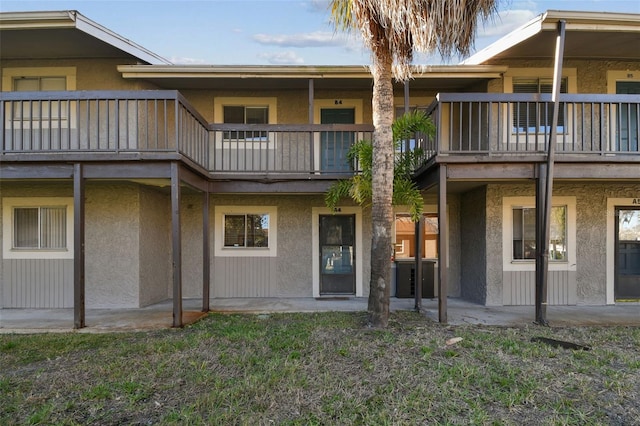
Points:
(176, 250)
(443, 246)
(543, 250)
(78, 248)
(206, 261)
(418, 274)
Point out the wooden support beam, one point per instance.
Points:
(543, 250)
(418, 273)
(206, 261)
(78, 248)
(541, 282)
(443, 246)
(176, 241)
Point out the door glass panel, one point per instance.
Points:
(337, 251)
(627, 284)
(334, 146)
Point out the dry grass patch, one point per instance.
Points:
(323, 368)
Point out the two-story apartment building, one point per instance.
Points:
(127, 180)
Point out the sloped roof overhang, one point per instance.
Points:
(65, 34)
(296, 77)
(589, 35)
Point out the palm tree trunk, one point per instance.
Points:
(382, 189)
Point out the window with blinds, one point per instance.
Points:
(536, 117)
(238, 114)
(40, 228)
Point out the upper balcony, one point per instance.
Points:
(162, 125)
(474, 127)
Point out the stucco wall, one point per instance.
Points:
(112, 245)
(291, 271)
(155, 246)
(474, 251)
(91, 74)
(591, 76)
(591, 234)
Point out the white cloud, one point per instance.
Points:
(282, 58)
(314, 39)
(186, 61)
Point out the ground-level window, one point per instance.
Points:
(37, 227)
(246, 230)
(40, 228)
(518, 234)
(524, 233)
(405, 236)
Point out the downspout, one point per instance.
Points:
(543, 249)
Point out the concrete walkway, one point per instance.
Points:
(159, 316)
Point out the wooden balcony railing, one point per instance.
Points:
(93, 125)
(520, 124)
(162, 124)
(54, 124)
(284, 149)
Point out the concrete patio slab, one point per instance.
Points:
(160, 315)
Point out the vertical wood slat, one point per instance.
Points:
(244, 277)
(37, 283)
(519, 288)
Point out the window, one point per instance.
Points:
(533, 117)
(40, 110)
(524, 234)
(405, 236)
(37, 228)
(246, 230)
(238, 114)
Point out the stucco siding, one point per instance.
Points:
(112, 245)
(155, 246)
(591, 251)
(473, 252)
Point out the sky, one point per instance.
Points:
(271, 32)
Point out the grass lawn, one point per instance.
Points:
(324, 368)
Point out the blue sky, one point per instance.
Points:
(277, 32)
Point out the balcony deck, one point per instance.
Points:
(472, 129)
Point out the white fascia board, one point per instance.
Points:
(101, 33)
(294, 72)
(517, 36)
(36, 20)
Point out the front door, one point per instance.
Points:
(628, 120)
(337, 254)
(334, 146)
(627, 283)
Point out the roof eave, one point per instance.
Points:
(73, 19)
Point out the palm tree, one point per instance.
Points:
(393, 30)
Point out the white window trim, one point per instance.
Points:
(508, 264)
(9, 203)
(221, 251)
(220, 102)
(536, 137)
(315, 241)
(9, 74)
